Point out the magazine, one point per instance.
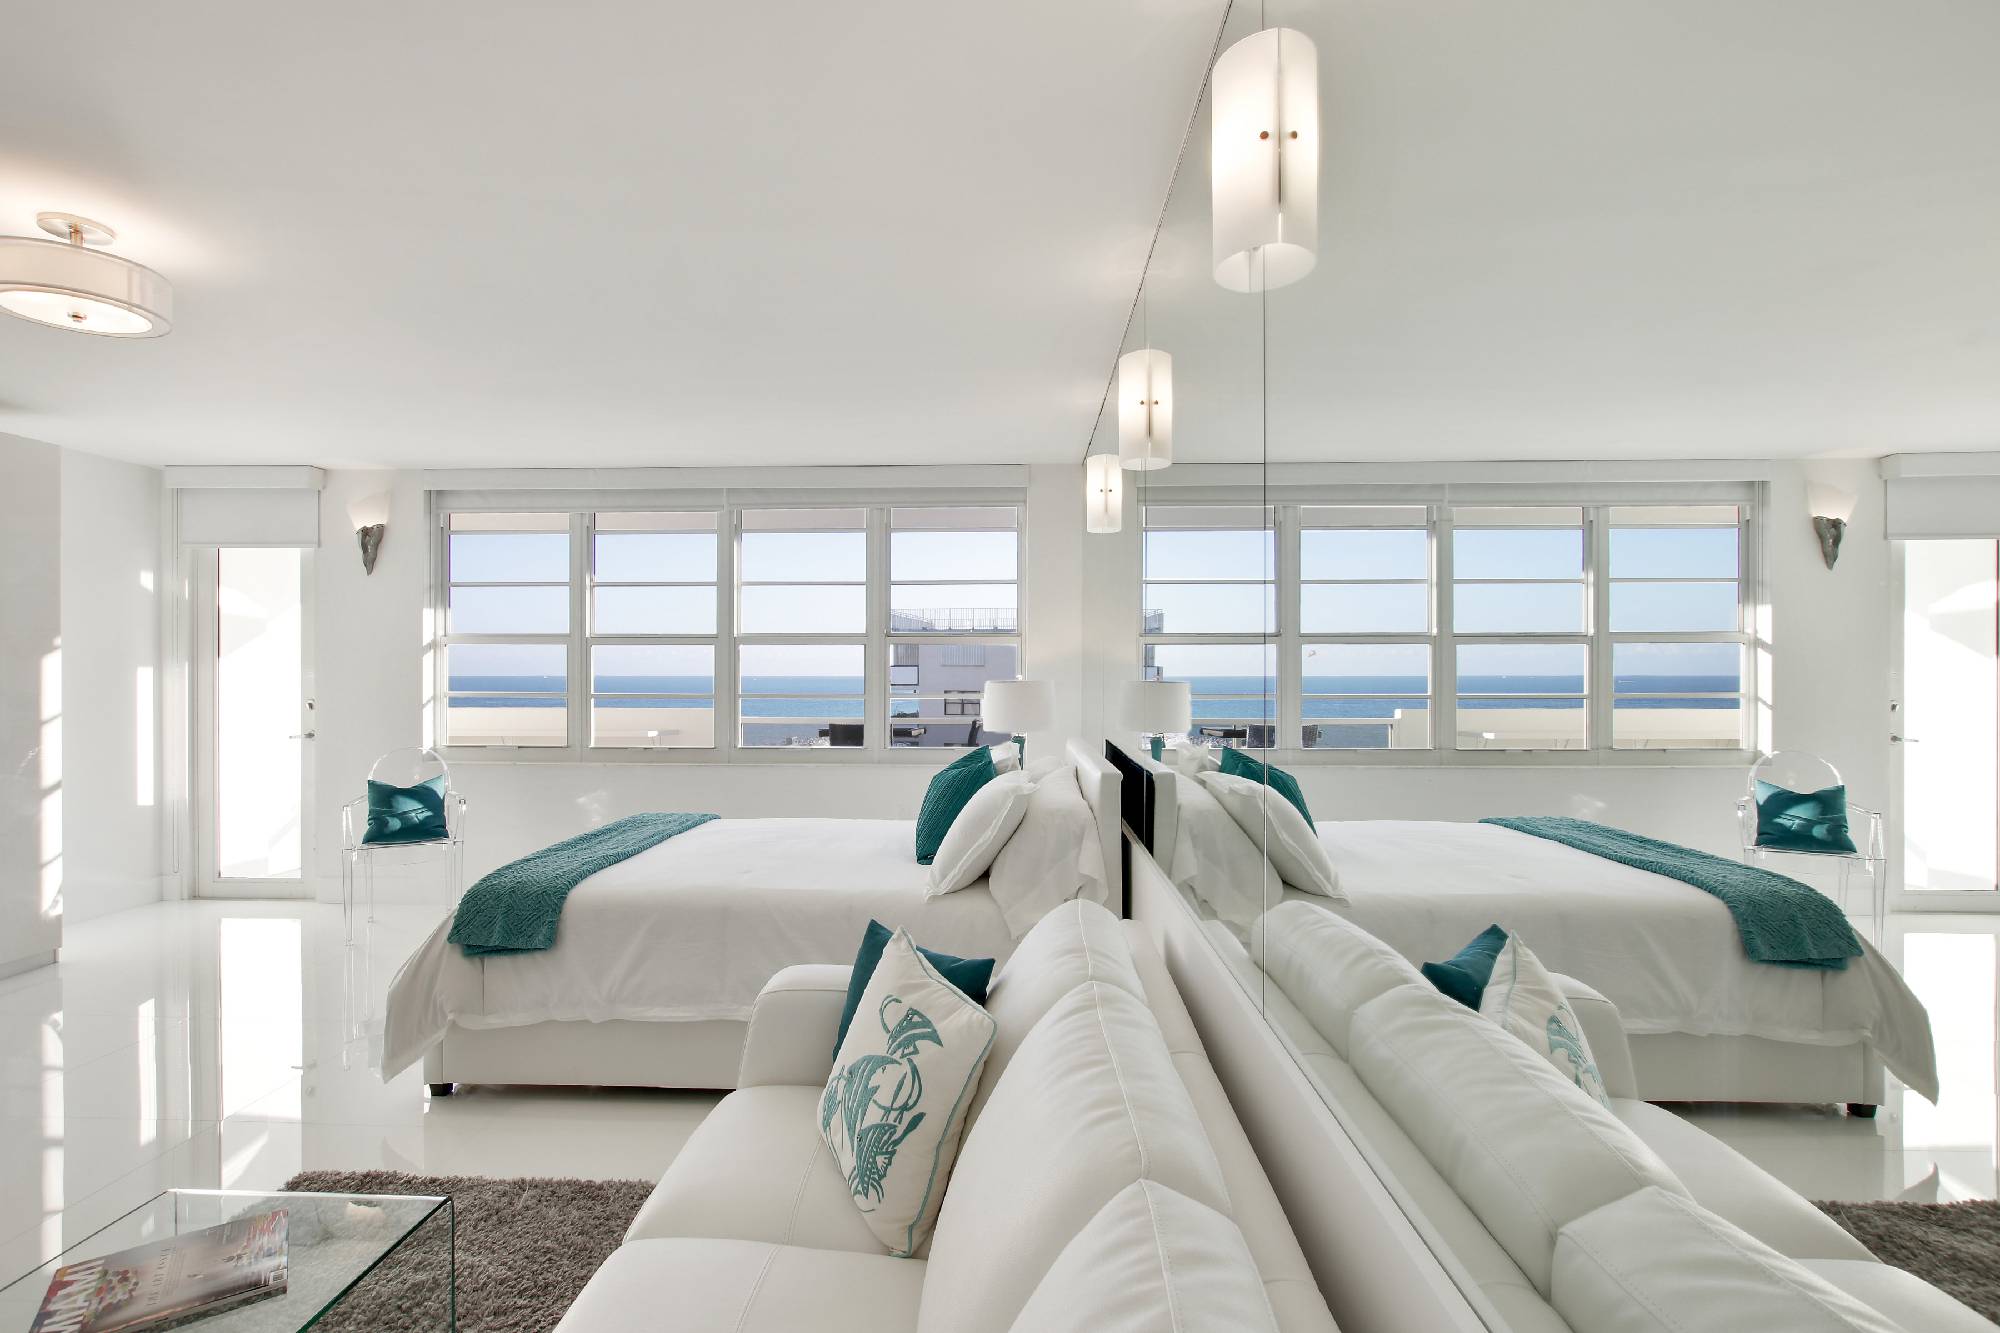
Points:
(169, 1282)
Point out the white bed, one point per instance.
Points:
(659, 959)
(1707, 1023)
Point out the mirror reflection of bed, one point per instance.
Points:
(1706, 1023)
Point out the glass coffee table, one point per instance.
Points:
(351, 1260)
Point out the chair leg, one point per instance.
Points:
(347, 893)
(368, 874)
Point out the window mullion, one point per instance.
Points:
(578, 730)
(1444, 638)
(1597, 577)
(875, 649)
(1289, 712)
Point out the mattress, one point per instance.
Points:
(692, 929)
(1666, 953)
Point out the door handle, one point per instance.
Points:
(302, 736)
(1903, 740)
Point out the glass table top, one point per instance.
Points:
(335, 1242)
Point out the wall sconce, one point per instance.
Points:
(1103, 493)
(1146, 410)
(370, 516)
(1831, 507)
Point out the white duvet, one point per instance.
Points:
(693, 928)
(1666, 953)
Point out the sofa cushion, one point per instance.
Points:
(895, 1106)
(1656, 1261)
(1904, 1297)
(1078, 942)
(1329, 967)
(1151, 1259)
(1090, 1103)
(1526, 1149)
(737, 1286)
(1730, 1185)
(757, 1169)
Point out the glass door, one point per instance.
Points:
(253, 692)
(1946, 727)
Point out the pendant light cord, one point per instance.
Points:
(1159, 225)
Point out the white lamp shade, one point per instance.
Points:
(1104, 493)
(1018, 706)
(1145, 409)
(368, 510)
(73, 287)
(1265, 144)
(1156, 707)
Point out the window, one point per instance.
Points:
(954, 619)
(721, 629)
(1210, 600)
(1455, 628)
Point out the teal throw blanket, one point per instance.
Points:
(515, 909)
(1779, 919)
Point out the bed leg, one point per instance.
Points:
(442, 1089)
(1862, 1110)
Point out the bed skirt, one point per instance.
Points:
(619, 1054)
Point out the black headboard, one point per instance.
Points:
(1135, 801)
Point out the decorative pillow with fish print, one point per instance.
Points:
(1524, 999)
(894, 1109)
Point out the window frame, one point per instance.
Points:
(728, 506)
(1442, 639)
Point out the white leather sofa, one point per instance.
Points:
(1559, 1214)
(1103, 1180)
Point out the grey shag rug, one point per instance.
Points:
(1953, 1246)
(525, 1248)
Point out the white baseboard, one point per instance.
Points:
(28, 964)
(91, 899)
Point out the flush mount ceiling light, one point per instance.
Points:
(1146, 409)
(69, 284)
(1265, 142)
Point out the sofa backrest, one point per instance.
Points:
(1522, 1146)
(1150, 1258)
(1076, 943)
(1089, 1103)
(1328, 966)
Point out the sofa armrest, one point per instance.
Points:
(1605, 1031)
(790, 1040)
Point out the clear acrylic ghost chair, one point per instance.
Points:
(1796, 770)
(398, 768)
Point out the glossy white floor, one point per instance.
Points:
(229, 1045)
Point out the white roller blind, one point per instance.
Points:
(248, 516)
(1936, 507)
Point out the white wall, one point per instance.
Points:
(31, 702)
(110, 669)
(370, 683)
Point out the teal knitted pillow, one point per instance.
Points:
(1802, 821)
(949, 791)
(405, 814)
(1240, 765)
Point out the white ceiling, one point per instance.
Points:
(605, 233)
(615, 233)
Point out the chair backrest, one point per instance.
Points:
(407, 767)
(1794, 770)
(843, 733)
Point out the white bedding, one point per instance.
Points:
(1666, 953)
(693, 928)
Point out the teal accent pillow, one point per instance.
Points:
(953, 786)
(1240, 765)
(406, 814)
(970, 975)
(1464, 975)
(1792, 821)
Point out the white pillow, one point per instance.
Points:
(1191, 759)
(1006, 757)
(1055, 855)
(1292, 845)
(980, 831)
(1524, 999)
(894, 1109)
(1047, 764)
(1216, 862)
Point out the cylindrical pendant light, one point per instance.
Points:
(1146, 409)
(1104, 493)
(1265, 164)
(66, 284)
